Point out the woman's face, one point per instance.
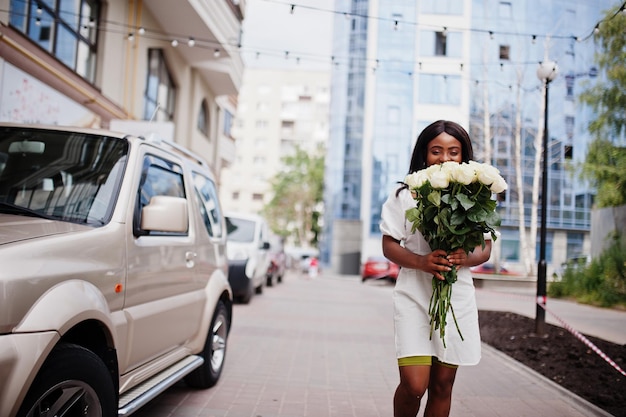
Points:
(442, 148)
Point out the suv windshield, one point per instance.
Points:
(67, 176)
(240, 230)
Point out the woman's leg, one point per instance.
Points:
(440, 390)
(409, 393)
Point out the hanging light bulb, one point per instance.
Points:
(191, 42)
(174, 43)
(596, 30)
(395, 25)
(216, 53)
(141, 31)
(490, 34)
(534, 39)
(131, 36)
(293, 6)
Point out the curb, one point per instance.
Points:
(585, 406)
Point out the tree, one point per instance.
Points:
(605, 163)
(294, 210)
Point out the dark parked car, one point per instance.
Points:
(378, 267)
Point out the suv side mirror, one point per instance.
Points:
(165, 214)
(265, 245)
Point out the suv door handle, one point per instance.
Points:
(190, 259)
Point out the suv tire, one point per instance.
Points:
(72, 378)
(214, 352)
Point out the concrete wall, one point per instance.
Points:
(604, 222)
(346, 244)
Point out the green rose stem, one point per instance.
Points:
(440, 304)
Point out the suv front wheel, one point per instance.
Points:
(72, 381)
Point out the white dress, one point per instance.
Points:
(412, 296)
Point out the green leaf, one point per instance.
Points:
(477, 216)
(458, 217)
(465, 201)
(435, 198)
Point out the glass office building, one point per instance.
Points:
(400, 65)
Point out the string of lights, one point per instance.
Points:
(374, 64)
(396, 23)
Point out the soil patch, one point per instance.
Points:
(561, 357)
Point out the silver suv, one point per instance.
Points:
(113, 272)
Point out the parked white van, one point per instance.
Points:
(247, 249)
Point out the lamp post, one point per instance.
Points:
(546, 72)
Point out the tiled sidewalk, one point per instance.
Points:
(323, 347)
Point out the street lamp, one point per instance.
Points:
(546, 72)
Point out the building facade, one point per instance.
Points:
(120, 64)
(277, 112)
(474, 62)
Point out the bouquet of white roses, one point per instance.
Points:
(454, 209)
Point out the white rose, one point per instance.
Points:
(498, 185)
(416, 179)
(464, 174)
(487, 174)
(440, 179)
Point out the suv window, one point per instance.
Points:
(70, 177)
(208, 204)
(159, 177)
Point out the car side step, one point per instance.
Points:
(135, 398)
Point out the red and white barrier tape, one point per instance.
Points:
(541, 301)
(586, 341)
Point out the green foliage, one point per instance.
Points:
(298, 192)
(605, 164)
(602, 282)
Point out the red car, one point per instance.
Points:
(378, 267)
(489, 268)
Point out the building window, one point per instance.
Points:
(228, 123)
(575, 244)
(393, 115)
(449, 43)
(440, 43)
(568, 152)
(569, 126)
(68, 30)
(235, 195)
(203, 118)
(160, 90)
(505, 10)
(504, 52)
(569, 86)
(453, 7)
(257, 197)
(440, 89)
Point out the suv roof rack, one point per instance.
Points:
(176, 147)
